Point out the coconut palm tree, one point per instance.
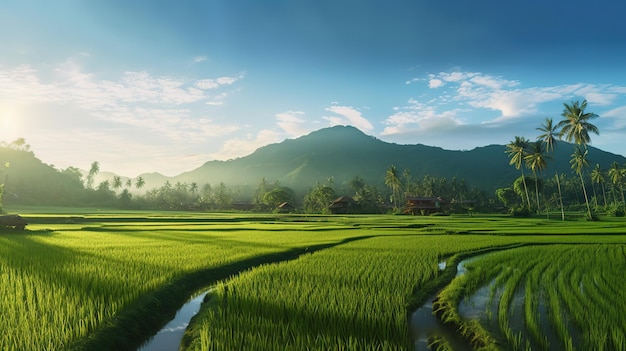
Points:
(597, 176)
(516, 150)
(117, 182)
(575, 126)
(537, 160)
(140, 182)
(393, 181)
(93, 171)
(617, 175)
(549, 138)
(579, 162)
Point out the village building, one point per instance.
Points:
(342, 205)
(421, 205)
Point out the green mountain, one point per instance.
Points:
(343, 152)
(339, 152)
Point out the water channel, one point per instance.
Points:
(170, 336)
(423, 322)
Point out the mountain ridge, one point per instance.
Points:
(343, 152)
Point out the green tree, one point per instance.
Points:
(393, 182)
(318, 200)
(140, 182)
(125, 198)
(507, 196)
(74, 174)
(549, 136)
(617, 175)
(223, 196)
(117, 182)
(277, 196)
(6, 165)
(536, 160)
(357, 184)
(597, 177)
(579, 162)
(575, 126)
(93, 171)
(516, 150)
(263, 188)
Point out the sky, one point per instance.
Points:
(165, 86)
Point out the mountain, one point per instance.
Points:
(339, 152)
(343, 152)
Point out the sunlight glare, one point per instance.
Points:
(9, 123)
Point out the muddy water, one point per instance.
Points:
(170, 336)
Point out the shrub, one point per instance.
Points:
(520, 211)
(616, 211)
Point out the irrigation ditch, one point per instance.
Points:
(146, 327)
(428, 328)
(133, 328)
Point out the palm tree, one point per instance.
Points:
(579, 162)
(516, 150)
(549, 137)
(597, 176)
(537, 161)
(117, 182)
(140, 182)
(575, 126)
(392, 181)
(617, 175)
(95, 169)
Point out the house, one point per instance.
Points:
(425, 205)
(286, 207)
(342, 205)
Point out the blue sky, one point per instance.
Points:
(143, 86)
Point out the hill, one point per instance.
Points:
(340, 152)
(343, 152)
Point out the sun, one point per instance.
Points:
(9, 122)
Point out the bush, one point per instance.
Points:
(616, 211)
(594, 217)
(520, 211)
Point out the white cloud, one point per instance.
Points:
(482, 91)
(419, 116)
(65, 103)
(348, 115)
(618, 115)
(239, 147)
(292, 122)
(600, 98)
(206, 84)
(199, 59)
(435, 83)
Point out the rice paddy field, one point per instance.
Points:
(98, 280)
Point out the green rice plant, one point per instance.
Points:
(64, 285)
(576, 283)
(353, 296)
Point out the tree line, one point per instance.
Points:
(576, 127)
